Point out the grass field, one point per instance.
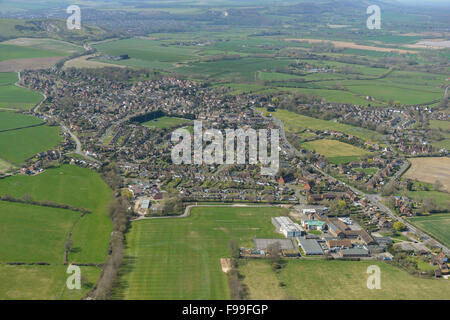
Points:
(51, 45)
(4, 166)
(41, 282)
(438, 124)
(9, 52)
(165, 122)
(145, 52)
(77, 187)
(296, 122)
(12, 120)
(442, 199)
(180, 258)
(23, 241)
(429, 170)
(331, 280)
(19, 145)
(14, 97)
(334, 150)
(438, 225)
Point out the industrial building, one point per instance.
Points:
(310, 246)
(287, 227)
(354, 252)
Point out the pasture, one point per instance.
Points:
(42, 282)
(10, 52)
(438, 225)
(180, 258)
(144, 52)
(335, 150)
(439, 124)
(430, 170)
(296, 123)
(4, 166)
(14, 97)
(77, 187)
(165, 122)
(30, 233)
(19, 145)
(334, 280)
(13, 120)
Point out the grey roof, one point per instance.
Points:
(263, 244)
(355, 251)
(310, 246)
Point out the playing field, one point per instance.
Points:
(42, 282)
(296, 122)
(334, 150)
(165, 122)
(438, 225)
(430, 170)
(30, 233)
(19, 145)
(320, 279)
(74, 186)
(180, 258)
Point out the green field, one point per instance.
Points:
(438, 225)
(14, 97)
(438, 124)
(30, 233)
(145, 53)
(9, 52)
(165, 122)
(41, 282)
(296, 122)
(12, 120)
(78, 187)
(442, 199)
(180, 258)
(4, 166)
(334, 150)
(19, 145)
(332, 280)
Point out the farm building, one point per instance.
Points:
(264, 244)
(314, 225)
(287, 227)
(310, 246)
(339, 244)
(354, 252)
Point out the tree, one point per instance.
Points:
(437, 186)
(399, 226)
(234, 247)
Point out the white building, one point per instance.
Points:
(287, 227)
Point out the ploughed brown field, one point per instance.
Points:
(352, 45)
(429, 170)
(28, 64)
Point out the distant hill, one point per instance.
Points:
(49, 28)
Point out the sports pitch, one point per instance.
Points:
(180, 258)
